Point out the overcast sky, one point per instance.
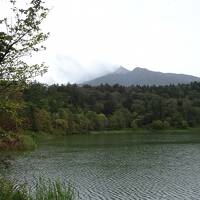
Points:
(91, 37)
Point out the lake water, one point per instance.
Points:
(143, 166)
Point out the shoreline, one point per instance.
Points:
(28, 141)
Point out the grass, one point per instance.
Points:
(10, 191)
(143, 130)
(43, 191)
(53, 191)
(118, 131)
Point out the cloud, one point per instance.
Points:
(64, 69)
(158, 35)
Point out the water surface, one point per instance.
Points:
(147, 166)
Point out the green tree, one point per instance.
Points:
(157, 125)
(61, 124)
(9, 118)
(120, 119)
(166, 125)
(134, 125)
(184, 124)
(92, 116)
(102, 121)
(42, 120)
(19, 38)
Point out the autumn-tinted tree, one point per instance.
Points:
(20, 38)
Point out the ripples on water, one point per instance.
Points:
(118, 167)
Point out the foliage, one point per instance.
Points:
(184, 124)
(42, 120)
(134, 125)
(102, 121)
(53, 190)
(69, 109)
(3, 133)
(157, 125)
(44, 191)
(9, 113)
(10, 191)
(27, 142)
(20, 37)
(74, 109)
(13, 141)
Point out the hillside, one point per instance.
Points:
(142, 76)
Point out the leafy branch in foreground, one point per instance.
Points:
(21, 37)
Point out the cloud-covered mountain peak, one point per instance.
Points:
(121, 70)
(141, 76)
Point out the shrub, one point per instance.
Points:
(13, 141)
(166, 124)
(2, 133)
(184, 124)
(134, 125)
(157, 125)
(26, 142)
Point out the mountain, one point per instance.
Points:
(121, 70)
(141, 76)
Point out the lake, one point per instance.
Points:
(143, 166)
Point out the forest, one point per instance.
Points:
(70, 109)
(27, 106)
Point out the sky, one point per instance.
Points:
(92, 37)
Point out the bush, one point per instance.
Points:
(2, 133)
(27, 142)
(184, 124)
(134, 125)
(166, 125)
(12, 141)
(157, 125)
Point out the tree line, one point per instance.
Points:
(70, 108)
